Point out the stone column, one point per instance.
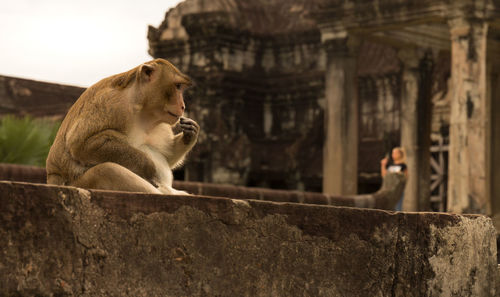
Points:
(415, 130)
(468, 190)
(340, 154)
(494, 81)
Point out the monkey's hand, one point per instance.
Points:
(190, 130)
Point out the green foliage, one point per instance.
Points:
(26, 140)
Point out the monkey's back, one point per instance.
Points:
(89, 115)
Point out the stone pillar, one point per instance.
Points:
(468, 190)
(340, 154)
(494, 82)
(415, 130)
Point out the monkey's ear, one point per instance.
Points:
(146, 72)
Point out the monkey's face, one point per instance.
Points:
(164, 88)
(175, 106)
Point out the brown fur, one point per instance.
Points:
(118, 134)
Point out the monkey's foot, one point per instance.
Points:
(171, 191)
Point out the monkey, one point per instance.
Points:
(119, 134)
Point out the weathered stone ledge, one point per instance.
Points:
(385, 198)
(65, 241)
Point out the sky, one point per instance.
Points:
(76, 42)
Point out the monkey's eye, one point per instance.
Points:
(178, 86)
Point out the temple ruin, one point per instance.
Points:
(310, 91)
(298, 95)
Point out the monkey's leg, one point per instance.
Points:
(112, 176)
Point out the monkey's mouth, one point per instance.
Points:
(173, 114)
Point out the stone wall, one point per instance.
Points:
(63, 241)
(22, 173)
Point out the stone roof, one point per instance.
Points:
(21, 97)
(262, 17)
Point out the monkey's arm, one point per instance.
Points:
(112, 146)
(174, 147)
(179, 151)
(183, 142)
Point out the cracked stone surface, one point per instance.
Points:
(64, 241)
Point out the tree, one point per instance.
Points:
(26, 140)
